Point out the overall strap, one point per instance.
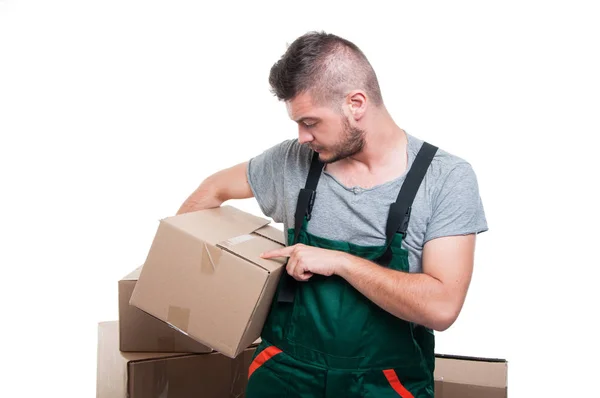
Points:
(400, 210)
(306, 200)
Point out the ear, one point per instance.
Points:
(356, 103)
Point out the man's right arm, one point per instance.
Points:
(224, 185)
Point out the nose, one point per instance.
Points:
(304, 136)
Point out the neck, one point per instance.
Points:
(385, 144)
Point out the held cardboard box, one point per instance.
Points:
(140, 332)
(162, 375)
(204, 276)
(467, 377)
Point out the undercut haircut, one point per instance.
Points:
(327, 67)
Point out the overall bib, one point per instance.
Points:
(323, 338)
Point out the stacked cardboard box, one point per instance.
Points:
(470, 377)
(191, 316)
(164, 374)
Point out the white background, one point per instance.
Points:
(112, 112)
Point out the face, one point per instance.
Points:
(325, 130)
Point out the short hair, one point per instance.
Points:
(326, 66)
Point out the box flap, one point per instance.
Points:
(250, 247)
(473, 371)
(272, 233)
(133, 275)
(218, 224)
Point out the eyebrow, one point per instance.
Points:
(303, 119)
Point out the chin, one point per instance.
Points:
(324, 158)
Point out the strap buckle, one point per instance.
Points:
(311, 202)
(403, 229)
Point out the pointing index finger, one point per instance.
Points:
(283, 252)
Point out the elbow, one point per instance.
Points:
(441, 325)
(444, 317)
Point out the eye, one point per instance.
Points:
(310, 126)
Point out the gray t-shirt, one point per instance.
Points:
(447, 202)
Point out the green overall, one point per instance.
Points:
(332, 341)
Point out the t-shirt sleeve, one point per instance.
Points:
(266, 176)
(457, 209)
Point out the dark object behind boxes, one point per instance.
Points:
(161, 375)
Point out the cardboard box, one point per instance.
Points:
(213, 375)
(204, 276)
(162, 375)
(468, 377)
(141, 332)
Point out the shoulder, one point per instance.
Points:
(287, 159)
(298, 155)
(289, 150)
(297, 159)
(447, 170)
(287, 153)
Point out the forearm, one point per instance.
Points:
(224, 185)
(415, 297)
(204, 197)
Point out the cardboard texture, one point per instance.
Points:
(166, 375)
(204, 276)
(212, 375)
(467, 377)
(141, 332)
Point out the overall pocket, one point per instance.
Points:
(397, 386)
(396, 382)
(265, 378)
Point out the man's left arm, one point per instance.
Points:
(433, 298)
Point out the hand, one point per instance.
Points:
(304, 261)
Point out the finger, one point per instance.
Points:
(291, 266)
(304, 276)
(302, 271)
(294, 269)
(283, 252)
(297, 270)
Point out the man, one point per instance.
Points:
(380, 229)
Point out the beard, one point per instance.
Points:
(352, 142)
